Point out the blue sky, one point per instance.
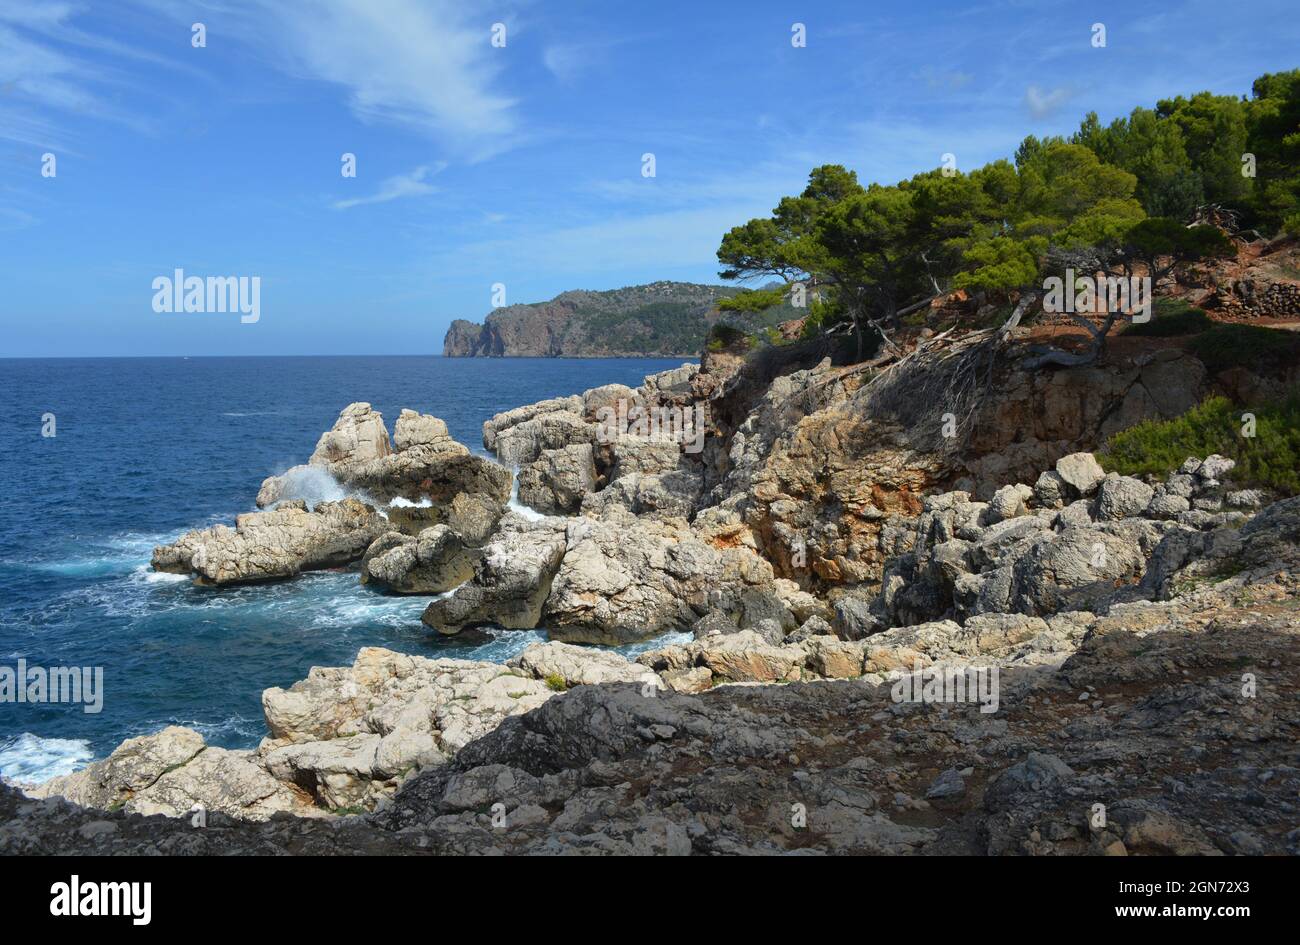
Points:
(518, 165)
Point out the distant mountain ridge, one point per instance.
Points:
(667, 319)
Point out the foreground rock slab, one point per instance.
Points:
(1183, 762)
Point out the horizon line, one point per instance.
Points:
(193, 357)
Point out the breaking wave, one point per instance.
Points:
(30, 759)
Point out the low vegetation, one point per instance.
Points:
(1112, 198)
(1269, 457)
(1171, 318)
(1249, 346)
(555, 682)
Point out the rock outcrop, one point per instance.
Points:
(427, 465)
(174, 773)
(620, 583)
(433, 481)
(662, 319)
(275, 544)
(433, 562)
(1182, 763)
(511, 579)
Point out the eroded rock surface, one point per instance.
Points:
(279, 543)
(511, 581)
(1183, 762)
(433, 562)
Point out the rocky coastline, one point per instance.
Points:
(658, 320)
(812, 553)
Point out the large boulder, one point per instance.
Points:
(511, 580)
(358, 436)
(433, 562)
(340, 774)
(421, 430)
(279, 543)
(1081, 472)
(609, 406)
(510, 418)
(221, 781)
(524, 442)
(628, 581)
(134, 766)
(558, 479)
(1008, 502)
(1073, 570)
(1120, 497)
(748, 657)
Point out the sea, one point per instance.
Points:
(104, 458)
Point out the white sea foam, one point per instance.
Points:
(312, 484)
(399, 502)
(503, 645)
(633, 650)
(345, 612)
(30, 759)
(531, 514)
(149, 576)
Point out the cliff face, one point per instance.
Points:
(466, 339)
(662, 319)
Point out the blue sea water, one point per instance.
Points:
(148, 448)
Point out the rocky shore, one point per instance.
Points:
(1126, 647)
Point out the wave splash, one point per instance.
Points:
(312, 484)
(30, 759)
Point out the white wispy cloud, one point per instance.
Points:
(427, 65)
(564, 60)
(411, 184)
(1042, 103)
(568, 59)
(48, 85)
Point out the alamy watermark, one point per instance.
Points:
(683, 424)
(951, 685)
(77, 898)
(181, 293)
(1099, 294)
(61, 684)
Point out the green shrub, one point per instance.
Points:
(555, 682)
(723, 336)
(755, 300)
(1171, 317)
(1227, 346)
(1270, 458)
